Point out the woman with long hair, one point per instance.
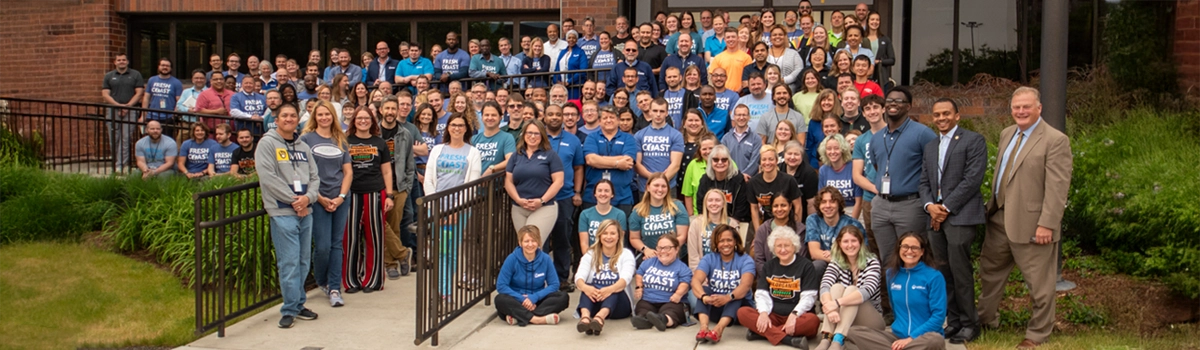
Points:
(722, 281)
(452, 163)
(806, 96)
(461, 103)
(785, 132)
(691, 80)
(625, 119)
(341, 89)
(194, 153)
(359, 96)
(694, 171)
(820, 39)
(693, 129)
(841, 64)
(656, 215)
(781, 216)
(702, 228)
(604, 57)
(604, 276)
(917, 292)
(536, 62)
(835, 172)
(372, 195)
(527, 286)
(766, 21)
(827, 105)
(661, 286)
(849, 290)
(781, 54)
(881, 45)
(329, 146)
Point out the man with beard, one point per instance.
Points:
(558, 94)
(757, 100)
(215, 62)
(515, 115)
(451, 64)
(590, 114)
(494, 147)
(220, 157)
(310, 88)
(243, 157)
(650, 51)
(155, 152)
(716, 119)
(570, 151)
(587, 93)
(851, 118)
(759, 65)
(621, 24)
(675, 96)
(485, 65)
(163, 91)
(415, 66)
(644, 79)
(352, 71)
(898, 151)
(781, 95)
(400, 137)
(722, 97)
(570, 115)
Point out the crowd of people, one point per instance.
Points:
(757, 176)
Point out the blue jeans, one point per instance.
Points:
(327, 234)
(408, 217)
(292, 237)
(448, 252)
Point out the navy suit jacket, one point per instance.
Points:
(965, 164)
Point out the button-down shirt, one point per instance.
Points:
(1011, 147)
(898, 154)
(943, 145)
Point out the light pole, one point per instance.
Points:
(972, 25)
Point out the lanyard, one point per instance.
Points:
(888, 161)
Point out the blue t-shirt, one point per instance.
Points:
(156, 154)
(605, 276)
(164, 93)
(656, 146)
(675, 106)
(860, 152)
(816, 230)
(603, 60)
(570, 151)
(724, 277)
(661, 281)
(251, 104)
(589, 46)
(493, 149)
(841, 180)
(590, 219)
(196, 155)
(455, 64)
(532, 175)
(622, 144)
(658, 223)
(725, 100)
(221, 157)
(428, 139)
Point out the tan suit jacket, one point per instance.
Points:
(1037, 189)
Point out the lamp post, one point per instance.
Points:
(972, 25)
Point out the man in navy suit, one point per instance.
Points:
(383, 68)
(951, 174)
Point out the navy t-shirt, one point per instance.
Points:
(531, 175)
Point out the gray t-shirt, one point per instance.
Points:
(451, 167)
(329, 158)
(155, 153)
(770, 120)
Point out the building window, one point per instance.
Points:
(430, 33)
(194, 43)
(154, 42)
(243, 38)
(347, 36)
(390, 32)
(492, 31)
(535, 30)
(293, 40)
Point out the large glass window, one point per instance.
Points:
(492, 31)
(392, 33)
(347, 36)
(534, 29)
(243, 38)
(430, 33)
(154, 42)
(194, 43)
(293, 40)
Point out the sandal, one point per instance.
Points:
(702, 336)
(584, 327)
(597, 326)
(714, 337)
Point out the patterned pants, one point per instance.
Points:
(362, 265)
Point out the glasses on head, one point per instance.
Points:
(911, 248)
(895, 100)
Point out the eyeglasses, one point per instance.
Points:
(911, 248)
(895, 100)
(665, 248)
(720, 160)
(630, 50)
(458, 125)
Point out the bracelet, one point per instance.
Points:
(836, 303)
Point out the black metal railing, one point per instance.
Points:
(465, 233)
(94, 138)
(516, 82)
(235, 258)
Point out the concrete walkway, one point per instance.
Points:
(385, 320)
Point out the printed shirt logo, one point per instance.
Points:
(363, 155)
(783, 287)
(659, 279)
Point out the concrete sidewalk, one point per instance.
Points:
(379, 320)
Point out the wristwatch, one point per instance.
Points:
(342, 195)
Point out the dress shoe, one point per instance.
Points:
(966, 335)
(951, 331)
(1027, 345)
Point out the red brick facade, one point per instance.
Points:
(604, 12)
(243, 6)
(1187, 44)
(58, 49)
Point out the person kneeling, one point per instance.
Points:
(917, 291)
(787, 290)
(665, 281)
(528, 286)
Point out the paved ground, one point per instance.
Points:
(385, 320)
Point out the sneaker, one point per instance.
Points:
(306, 315)
(405, 268)
(393, 273)
(751, 336)
(287, 322)
(799, 342)
(325, 290)
(335, 299)
(353, 290)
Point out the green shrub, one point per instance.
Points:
(47, 206)
(17, 150)
(1077, 312)
(939, 68)
(1137, 46)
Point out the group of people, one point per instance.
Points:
(757, 176)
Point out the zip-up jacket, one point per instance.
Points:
(918, 298)
(521, 278)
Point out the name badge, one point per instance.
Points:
(885, 187)
(607, 175)
(296, 187)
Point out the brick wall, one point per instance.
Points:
(242, 6)
(1187, 44)
(58, 49)
(604, 12)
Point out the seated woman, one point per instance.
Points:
(722, 282)
(821, 227)
(660, 284)
(703, 228)
(851, 281)
(604, 273)
(918, 295)
(787, 290)
(527, 288)
(781, 213)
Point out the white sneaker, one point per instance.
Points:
(335, 299)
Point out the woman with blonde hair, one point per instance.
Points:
(604, 276)
(702, 228)
(826, 105)
(329, 221)
(785, 132)
(834, 172)
(527, 286)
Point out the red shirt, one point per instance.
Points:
(868, 88)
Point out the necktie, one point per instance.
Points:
(1010, 166)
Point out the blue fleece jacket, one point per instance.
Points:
(521, 278)
(918, 298)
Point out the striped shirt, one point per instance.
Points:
(868, 280)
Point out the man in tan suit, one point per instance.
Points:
(1033, 174)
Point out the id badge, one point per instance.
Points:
(885, 187)
(607, 175)
(296, 187)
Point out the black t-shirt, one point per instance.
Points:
(654, 55)
(736, 202)
(760, 192)
(806, 179)
(785, 283)
(367, 157)
(245, 160)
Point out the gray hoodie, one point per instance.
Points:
(281, 164)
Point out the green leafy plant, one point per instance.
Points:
(18, 150)
(939, 68)
(1137, 46)
(1077, 312)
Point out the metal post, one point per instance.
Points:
(1055, 15)
(956, 52)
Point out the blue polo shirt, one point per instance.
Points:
(656, 146)
(408, 68)
(531, 175)
(898, 154)
(570, 151)
(622, 144)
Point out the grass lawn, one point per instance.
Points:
(66, 295)
(1185, 336)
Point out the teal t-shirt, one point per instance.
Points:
(657, 223)
(492, 149)
(860, 152)
(590, 219)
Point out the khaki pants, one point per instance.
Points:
(1038, 264)
(543, 218)
(852, 315)
(868, 338)
(394, 252)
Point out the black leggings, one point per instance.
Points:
(554, 303)
(673, 310)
